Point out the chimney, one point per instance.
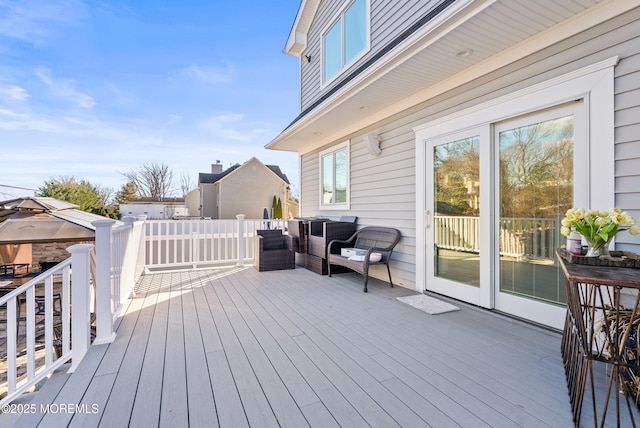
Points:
(216, 168)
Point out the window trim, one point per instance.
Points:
(340, 15)
(334, 149)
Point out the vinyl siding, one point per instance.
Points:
(382, 193)
(388, 20)
(248, 190)
(383, 187)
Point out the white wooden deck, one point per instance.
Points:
(234, 347)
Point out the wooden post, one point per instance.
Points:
(104, 317)
(80, 319)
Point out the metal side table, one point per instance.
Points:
(598, 331)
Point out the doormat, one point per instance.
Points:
(428, 304)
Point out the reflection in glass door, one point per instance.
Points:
(456, 220)
(536, 189)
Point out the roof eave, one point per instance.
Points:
(300, 137)
(297, 40)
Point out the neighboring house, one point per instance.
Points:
(156, 208)
(471, 126)
(241, 189)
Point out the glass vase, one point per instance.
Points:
(597, 247)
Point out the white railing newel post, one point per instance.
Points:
(104, 318)
(127, 280)
(80, 301)
(240, 218)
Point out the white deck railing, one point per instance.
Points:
(58, 312)
(196, 243)
(119, 265)
(522, 237)
(57, 305)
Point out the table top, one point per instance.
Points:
(602, 275)
(5, 283)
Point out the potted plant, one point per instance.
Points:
(598, 227)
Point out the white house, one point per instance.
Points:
(156, 208)
(241, 189)
(470, 126)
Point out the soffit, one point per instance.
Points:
(426, 65)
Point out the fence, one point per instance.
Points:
(58, 312)
(535, 238)
(197, 243)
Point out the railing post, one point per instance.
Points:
(141, 255)
(80, 319)
(240, 218)
(127, 275)
(104, 317)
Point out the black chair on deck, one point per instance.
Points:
(273, 250)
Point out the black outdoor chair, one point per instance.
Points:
(372, 241)
(273, 250)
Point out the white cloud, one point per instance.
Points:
(63, 88)
(15, 92)
(209, 75)
(12, 115)
(32, 20)
(233, 126)
(174, 118)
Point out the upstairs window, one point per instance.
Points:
(345, 39)
(334, 177)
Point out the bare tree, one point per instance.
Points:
(185, 184)
(152, 180)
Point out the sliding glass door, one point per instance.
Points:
(495, 197)
(454, 252)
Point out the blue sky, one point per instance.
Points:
(92, 88)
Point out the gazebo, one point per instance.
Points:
(35, 230)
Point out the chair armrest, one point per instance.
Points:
(387, 248)
(291, 242)
(257, 241)
(341, 243)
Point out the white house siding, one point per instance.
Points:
(248, 190)
(209, 200)
(627, 121)
(388, 20)
(192, 201)
(382, 193)
(383, 187)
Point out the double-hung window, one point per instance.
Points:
(334, 177)
(345, 39)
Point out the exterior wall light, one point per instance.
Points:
(372, 142)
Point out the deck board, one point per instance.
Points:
(174, 403)
(146, 406)
(235, 347)
(440, 368)
(117, 411)
(202, 409)
(255, 405)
